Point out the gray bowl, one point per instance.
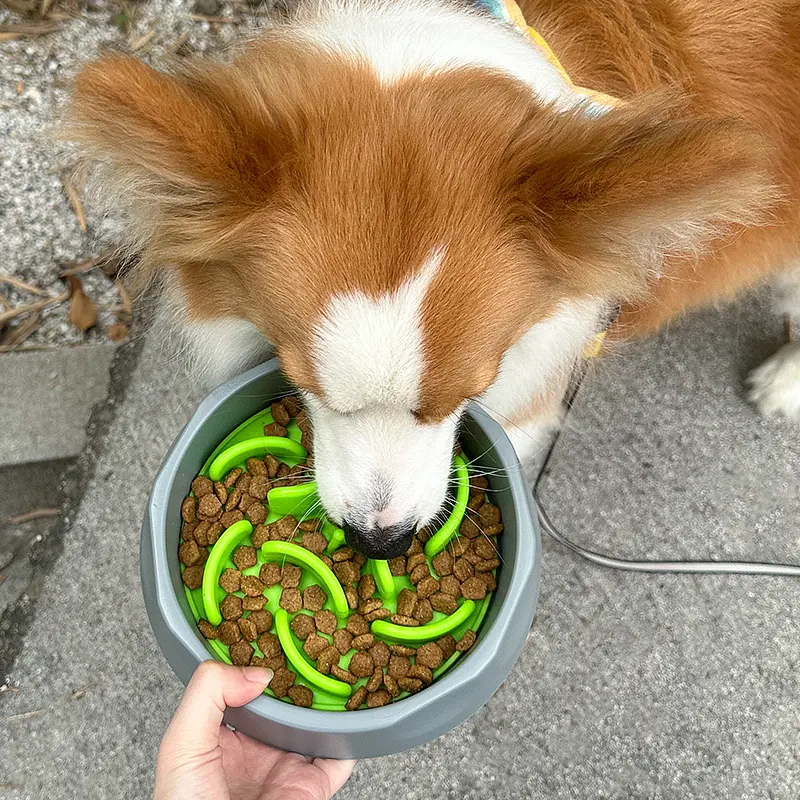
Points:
(335, 734)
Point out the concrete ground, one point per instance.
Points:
(631, 686)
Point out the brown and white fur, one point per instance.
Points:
(404, 201)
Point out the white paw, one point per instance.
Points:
(775, 385)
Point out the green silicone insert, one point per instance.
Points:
(288, 551)
(302, 502)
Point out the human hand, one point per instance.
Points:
(202, 759)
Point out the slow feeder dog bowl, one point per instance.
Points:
(470, 679)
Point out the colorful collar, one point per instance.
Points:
(596, 103)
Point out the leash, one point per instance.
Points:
(634, 565)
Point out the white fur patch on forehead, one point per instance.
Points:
(369, 350)
(398, 38)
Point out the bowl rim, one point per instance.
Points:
(454, 682)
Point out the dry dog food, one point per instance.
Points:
(347, 650)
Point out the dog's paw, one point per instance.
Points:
(774, 387)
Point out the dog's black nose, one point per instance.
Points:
(382, 543)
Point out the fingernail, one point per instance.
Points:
(258, 674)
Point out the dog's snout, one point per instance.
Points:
(377, 542)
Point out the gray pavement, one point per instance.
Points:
(631, 686)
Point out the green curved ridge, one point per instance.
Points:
(439, 540)
(258, 446)
(384, 579)
(298, 661)
(274, 551)
(219, 555)
(293, 501)
(423, 633)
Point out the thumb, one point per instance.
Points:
(214, 686)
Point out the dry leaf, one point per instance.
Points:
(118, 332)
(16, 336)
(82, 311)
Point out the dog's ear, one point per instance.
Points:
(604, 200)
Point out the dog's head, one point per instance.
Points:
(393, 239)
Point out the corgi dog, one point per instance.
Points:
(413, 205)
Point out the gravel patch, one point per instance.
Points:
(38, 224)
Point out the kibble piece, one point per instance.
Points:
(188, 509)
(406, 602)
(232, 477)
(252, 586)
(488, 565)
(364, 641)
(357, 625)
(425, 674)
(476, 501)
(314, 598)
(343, 674)
(280, 414)
(262, 620)
(347, 572)
(402, 649)
(259, 535)
(282, 681)
(291, 600)
(429, 655)
(241, 653)
(444, 603)
(489, 514)
(290, 576)
(200, 532)
(270, 645)
(303, 626)
(220, 492)
(231, 607)
(244, 483)
(257, 661)
(375, 681)
(327, 659)
(414, 561)
(315, 542)
(202, 486)
(450, 585)
(484, 548)
(352, 597)
(246, 501)
(214, 532)
(416, 547)
(209, 507)
(202, 556)
(270, 573)
(207, 629)
(229, 632)
(356, 699)
(423, 612)
(398, 666)
(314, 645)
(301, 696)
(259, 485)
(248, 629)
(292, 404)
(361, 665)
(231, 518)
(472, 557)
(325, 621)
(192, 577)
(494, 530)
(189, 553)
(466, 641)
(378, 699)
(459, 546)
(473, 589)
(254, 603)
(342, 554)
(369, 605)
(274, 429)
(427, 586)
(418, 573)
(311, 525)
(400, 619)
(378, 613)
(366, 587)
(462, 569)
(443, 563)
(343, 639)
(469, 528)
(244, 557)
(189, 530)
(275, 663)
(391, 684)
(272, 464)
(489, 580)
(410, 685)
(256, 514)
(231, 580)
(233, 499)
(255, 466)
(447, 644)
(380, 654)
(397, 566)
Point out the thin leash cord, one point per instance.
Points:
(680, 567)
